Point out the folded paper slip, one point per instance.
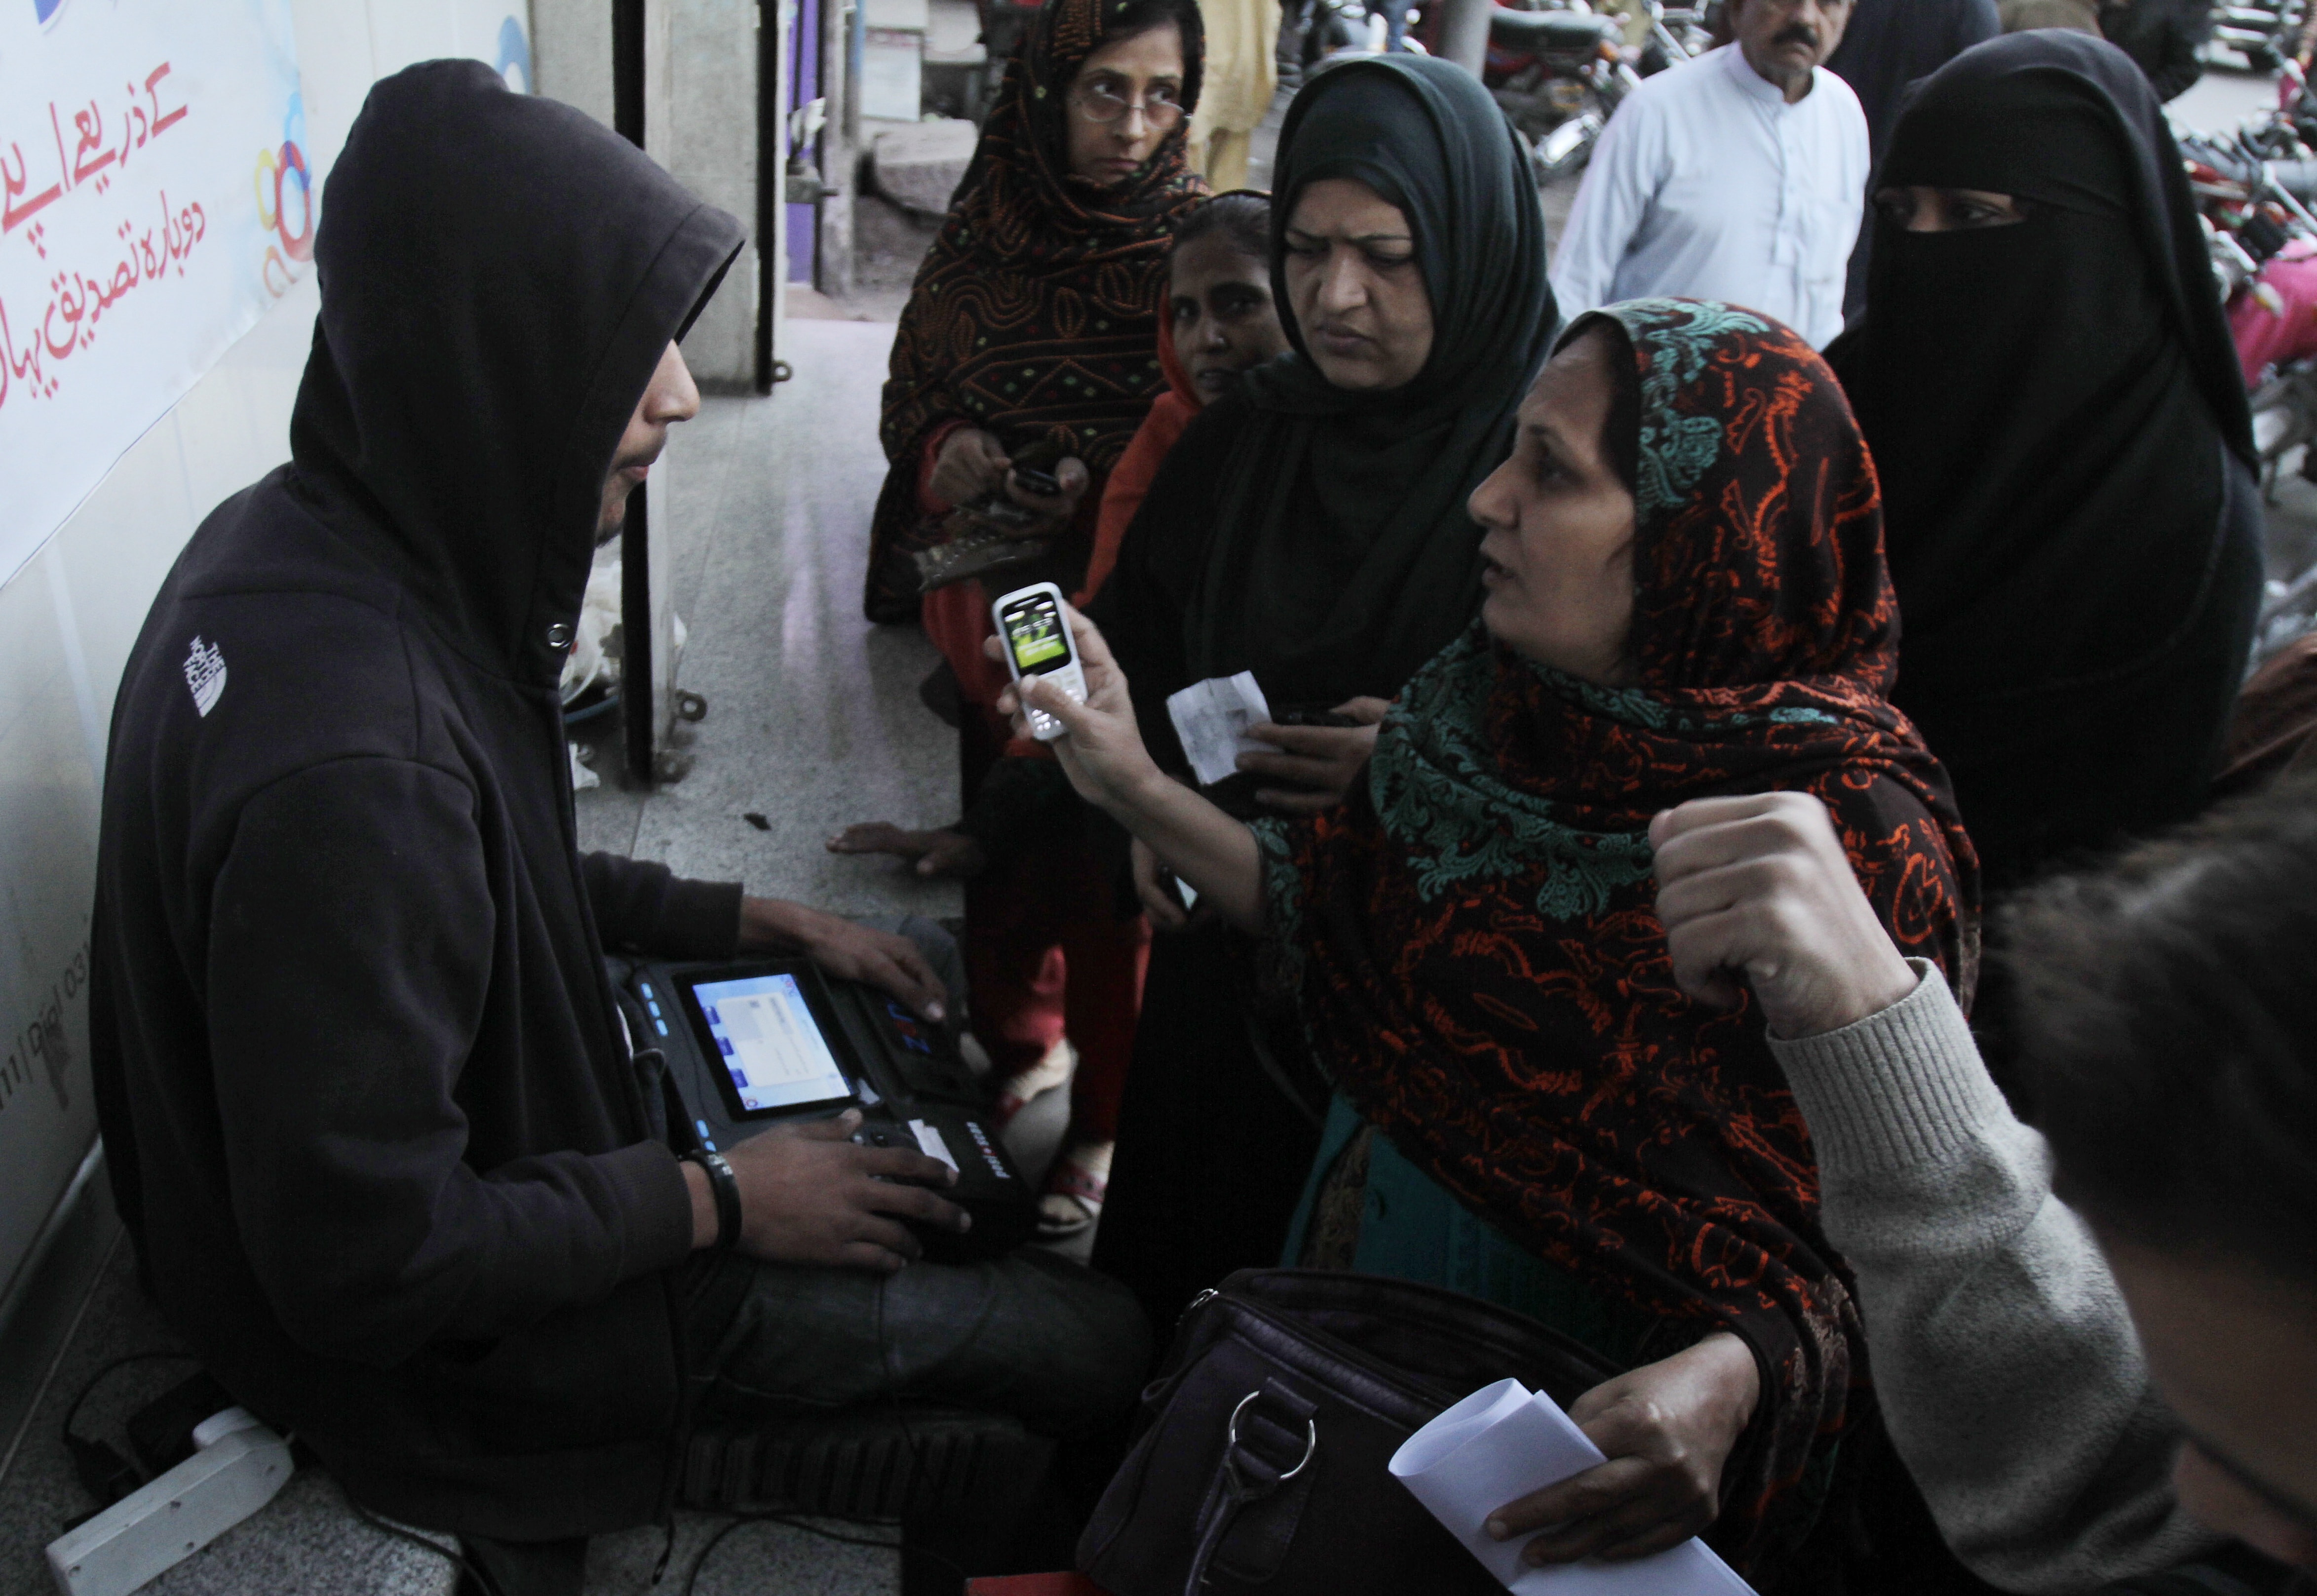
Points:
(1211, 720)
(1504, 1442)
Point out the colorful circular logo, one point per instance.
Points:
(280, 202)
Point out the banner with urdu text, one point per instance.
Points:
(155, 200)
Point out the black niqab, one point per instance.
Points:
(1343, 557)
(466, 388)
(2055, 412)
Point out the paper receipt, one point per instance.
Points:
(1211, 720)
(1498, 1445)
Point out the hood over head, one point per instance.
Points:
(500, 274)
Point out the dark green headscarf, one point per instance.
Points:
(1343, 557)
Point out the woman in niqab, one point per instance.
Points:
(1312, 529)
(2048, 386)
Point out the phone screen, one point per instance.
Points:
(1034, 632)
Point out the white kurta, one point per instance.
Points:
(1707, 184)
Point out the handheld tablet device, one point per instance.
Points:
(750, 1046)
(1038, 643)
(768, 1048)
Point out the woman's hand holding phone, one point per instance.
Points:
(1103, 753)
(972, 463)
(1315, 764)
(1029, 489)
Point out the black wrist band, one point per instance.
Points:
(725, 1187)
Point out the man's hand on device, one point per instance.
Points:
(941, 853)
(1315, 764)
(1666, 1429)
(1758, 889)
(1103, 754)
(844, 950)
(809, 1195)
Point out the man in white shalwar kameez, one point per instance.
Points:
(1737, 177)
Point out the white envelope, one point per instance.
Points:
(1503, 1442)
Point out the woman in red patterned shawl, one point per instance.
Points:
(1685, 598)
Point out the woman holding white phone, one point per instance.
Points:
(1310, 529)
(1685, 597)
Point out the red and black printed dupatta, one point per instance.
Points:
(1037, 310)
(1473, 939)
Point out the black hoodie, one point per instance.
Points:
(367, 1107)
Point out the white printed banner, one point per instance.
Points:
(155, 200)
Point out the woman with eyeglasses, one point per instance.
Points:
(1034, 319)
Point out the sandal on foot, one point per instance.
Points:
(1019, 1091)
(1074, 1195)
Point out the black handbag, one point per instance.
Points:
(1261, 1465)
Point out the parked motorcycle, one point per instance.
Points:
(2263, 244)
(2266, 33)
(1561, 73)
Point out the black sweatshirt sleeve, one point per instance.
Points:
(344, 1001)
(645, 908)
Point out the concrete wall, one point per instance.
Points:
(572, 40)
(69, 618)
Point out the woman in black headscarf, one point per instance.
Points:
(1312, 529)
(2068, 471)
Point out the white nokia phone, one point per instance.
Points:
(1038, 644)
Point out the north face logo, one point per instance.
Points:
(205, 675)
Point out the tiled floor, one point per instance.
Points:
(813, 720)
(306, 1542)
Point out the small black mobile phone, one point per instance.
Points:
(1034, 467)
(1311, 714)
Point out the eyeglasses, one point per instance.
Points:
(1100, 102)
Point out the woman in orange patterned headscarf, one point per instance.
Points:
(1035, 317)
(1687, 598)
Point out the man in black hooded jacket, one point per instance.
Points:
(367, 1105)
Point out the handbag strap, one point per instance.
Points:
(1272, 1438)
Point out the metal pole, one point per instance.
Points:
(1464, 33)
(637, 697)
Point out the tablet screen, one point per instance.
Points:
(771, 1044)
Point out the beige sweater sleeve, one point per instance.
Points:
(2003, 1356)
